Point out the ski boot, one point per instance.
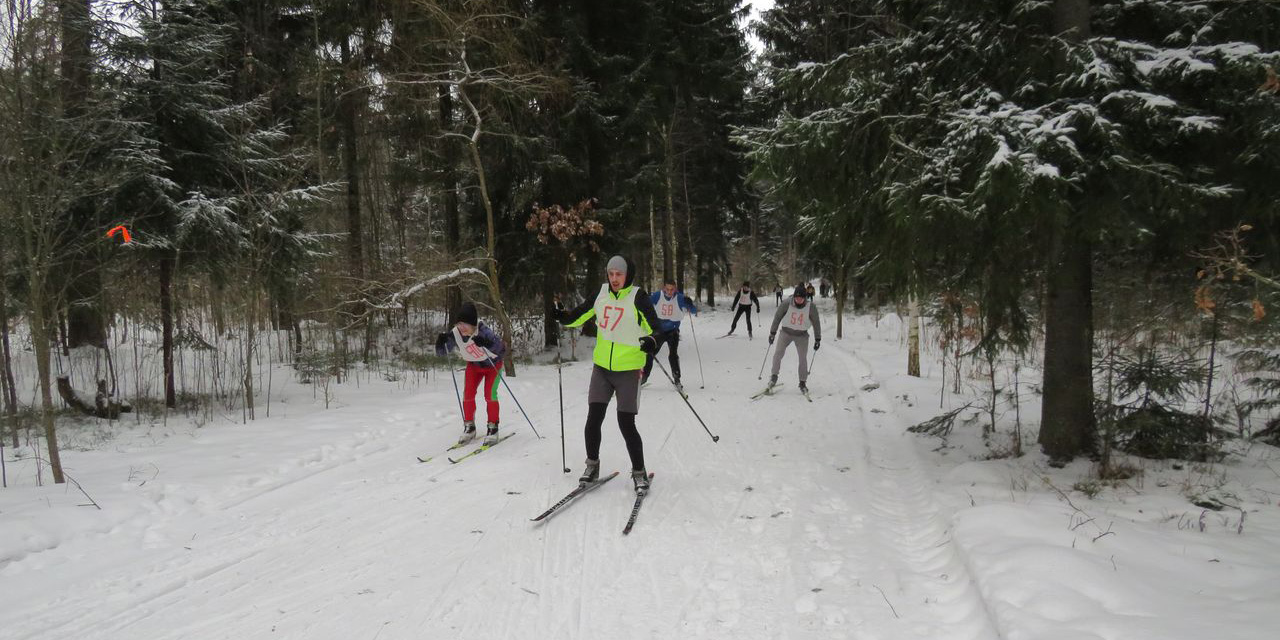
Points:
(591, 473)
(803, 388)
(641, 479)
(491, 434)
(468, 432)
(773, 381)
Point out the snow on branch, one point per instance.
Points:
(394, 302)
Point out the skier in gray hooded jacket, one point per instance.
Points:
(795, 319)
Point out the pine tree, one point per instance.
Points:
(974, 146)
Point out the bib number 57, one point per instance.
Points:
(612, 316)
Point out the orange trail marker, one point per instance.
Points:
(123, 231)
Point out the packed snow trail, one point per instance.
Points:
(807, 520)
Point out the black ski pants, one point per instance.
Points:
(672, 340)
(741, 310)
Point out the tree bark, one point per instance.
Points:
(10, 392)
(350, 161)
(1067, 422)
(40, 343)
(495, 292)
(85, 324)
(668, 223)
(449, 176)
(166, 328)
(913, 337)
(1067, 425)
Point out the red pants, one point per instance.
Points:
(490, 375)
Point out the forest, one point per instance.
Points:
(1085, 187)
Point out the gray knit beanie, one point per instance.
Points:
(617, 263)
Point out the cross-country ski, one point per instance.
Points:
(577, 491)
(635, 508)
(481, 449)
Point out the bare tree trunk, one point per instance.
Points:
(473, 143)
(654, 259)
(913, 337)
(688, 229)
(166, 328)
(449, 175)
(10, 392)
(85, 324)
(350, 161)
(1067, 425)
(252, 326)
(669, 240)
(40, 344)
(841, 285)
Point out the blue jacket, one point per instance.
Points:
(673, 325)
(484, 336)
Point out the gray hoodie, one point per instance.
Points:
(784, 309)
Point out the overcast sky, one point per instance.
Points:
(756, 7)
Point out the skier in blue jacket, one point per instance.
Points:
(670, 306)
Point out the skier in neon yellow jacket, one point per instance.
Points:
(626, 324)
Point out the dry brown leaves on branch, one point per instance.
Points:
(1272, 83)
(566, 225)
(1228, 260)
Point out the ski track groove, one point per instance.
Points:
(900, 498)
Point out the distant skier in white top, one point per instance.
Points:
(743, 301)
(795, 320)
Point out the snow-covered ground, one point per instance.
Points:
(807, 520)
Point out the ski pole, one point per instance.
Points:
(560, 384)
(513, 397)
(813, 361)
(714, 437)
(695, 348)
(760, 376)
(457, 393)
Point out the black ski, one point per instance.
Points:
(481, 449)
(577, 491)
(635, 510)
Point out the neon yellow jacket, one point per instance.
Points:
(618, 346)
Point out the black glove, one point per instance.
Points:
(648, 345)
(441, 341)
(771, 336)
(817, 343)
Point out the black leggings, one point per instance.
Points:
(741, 310)
(626, 424)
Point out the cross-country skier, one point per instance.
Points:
(627, 331)
(777, 295)
(483, 351)
(795, 319)
(670, 305)
(743, 301)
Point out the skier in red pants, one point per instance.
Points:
(483, 351)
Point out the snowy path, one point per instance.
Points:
(805, 521)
